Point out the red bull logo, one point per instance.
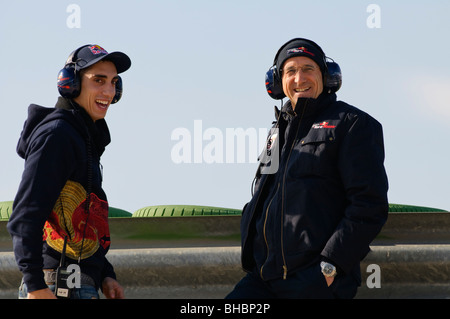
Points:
(96, 49)
(299, 50)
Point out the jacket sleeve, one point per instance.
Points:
(49, 161)
(108, 270)
(361, 166)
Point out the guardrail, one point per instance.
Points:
(406, 271)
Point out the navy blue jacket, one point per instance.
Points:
(50, 203)
(328, 197)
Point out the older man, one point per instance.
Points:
(311, 220)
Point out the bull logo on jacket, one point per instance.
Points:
(85, 232)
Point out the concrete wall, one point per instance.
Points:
(412, 251)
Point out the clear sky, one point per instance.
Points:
(198, 73)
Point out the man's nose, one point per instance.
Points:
(109, 90)
(299, 76)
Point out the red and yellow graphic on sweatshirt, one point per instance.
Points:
(70, 218)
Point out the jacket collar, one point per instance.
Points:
(98, 130)
(307, 107)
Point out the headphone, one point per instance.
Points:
(69, 81)
(332, 77)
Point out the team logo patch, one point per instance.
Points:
(323, 125)
(96, 49)
(299, 50)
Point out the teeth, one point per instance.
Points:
(301, 90)
(102, 102)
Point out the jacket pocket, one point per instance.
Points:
(315, 154)
(317, 137)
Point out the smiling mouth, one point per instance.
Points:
(302, 90)
(102, 104)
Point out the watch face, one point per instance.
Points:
(327, 269)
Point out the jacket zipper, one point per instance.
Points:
(264, 230)
(285, 268)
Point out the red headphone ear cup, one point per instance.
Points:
(68, 83)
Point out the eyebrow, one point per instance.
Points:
(302, 66)
(103, 76)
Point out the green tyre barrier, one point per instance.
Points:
(184, 210)
(6, 210)
(117, 212)
(396, 208)
(195, 210)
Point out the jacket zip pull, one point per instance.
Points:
(284, 272)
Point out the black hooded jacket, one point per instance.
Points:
(327, 199)
(62, 148)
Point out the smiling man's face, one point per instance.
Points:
(98, 87)
(301, 77)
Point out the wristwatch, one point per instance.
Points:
(328, 270)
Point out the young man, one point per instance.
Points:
(311, 220)
(60, 205)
